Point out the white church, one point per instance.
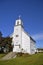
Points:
(22, 42)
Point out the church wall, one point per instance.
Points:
(17, 39)
(25, 42)
(32, 46)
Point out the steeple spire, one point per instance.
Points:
(19, 16)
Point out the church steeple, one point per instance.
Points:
(19, 21)
(19, 16)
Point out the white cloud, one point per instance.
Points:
(38, 36)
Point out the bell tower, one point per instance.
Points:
(19, 22)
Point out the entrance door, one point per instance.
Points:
(17, 48)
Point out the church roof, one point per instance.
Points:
(29, 36)
(32, 39)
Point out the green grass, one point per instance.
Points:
(1, 55)
(36, 59)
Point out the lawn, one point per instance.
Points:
(1, 55)
(36, 59)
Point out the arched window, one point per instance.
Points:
(16, 35)
(18, 23)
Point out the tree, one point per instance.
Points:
(0, 41)
(8, 44)
(0, 34)
(5, 44)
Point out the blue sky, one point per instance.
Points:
(31, 12)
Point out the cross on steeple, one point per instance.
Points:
(19, 16)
